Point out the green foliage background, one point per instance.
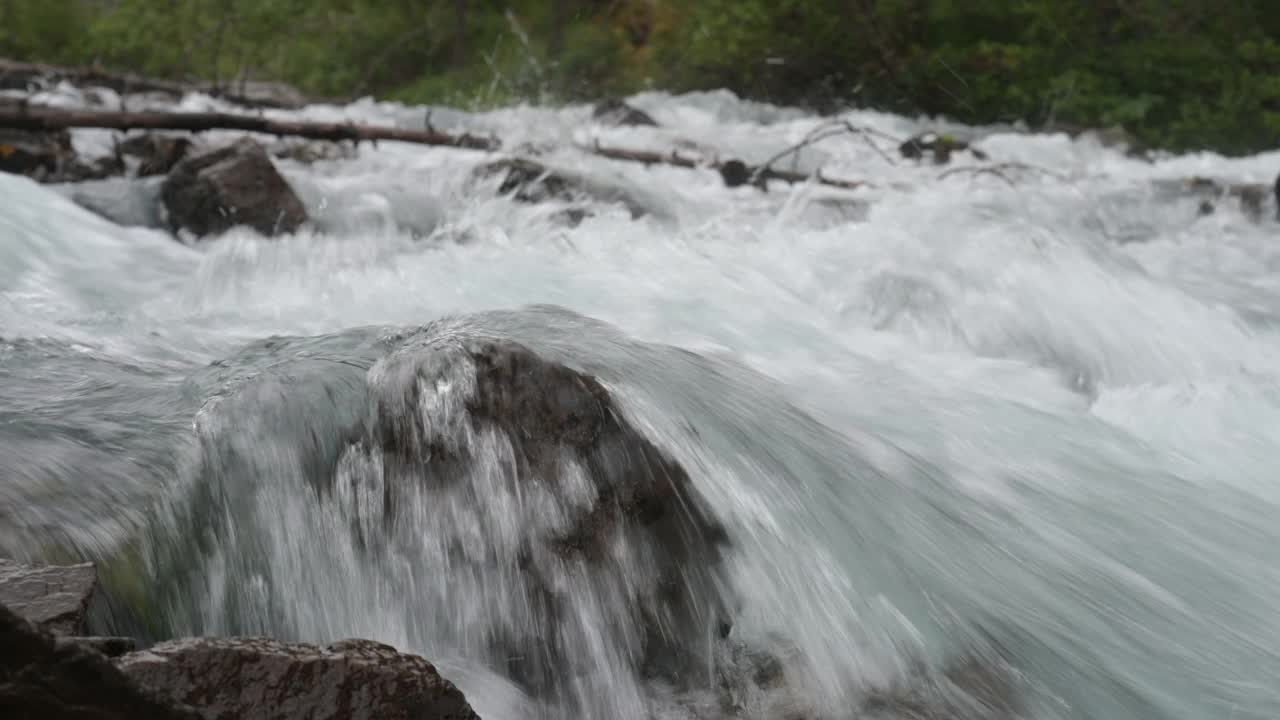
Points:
(1180, 74)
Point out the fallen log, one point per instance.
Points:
(733, 172)
(20, 76)
(27, 117)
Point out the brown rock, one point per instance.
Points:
(55, 597)
(42, 156)
(48, 678)
(212, 192)
(263, 679)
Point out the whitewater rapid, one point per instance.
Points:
(932, 412)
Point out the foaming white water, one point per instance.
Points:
(1045, 412)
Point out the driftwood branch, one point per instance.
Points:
(998, 170)
(824, 131)
(734, 172)
(19, 75)
(26, 117)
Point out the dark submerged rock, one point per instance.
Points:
(735, 173)
(51, 678)
(939, 146)
(529, 181)
(55, 597)
(212, 192)
(34, 154)
(261, 679)
(616, 111)
(1275, 192)
(49, 157)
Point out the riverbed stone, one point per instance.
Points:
(212, 192)
(255, 678)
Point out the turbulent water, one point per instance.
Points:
(1030, 417)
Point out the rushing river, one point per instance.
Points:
(938, 415)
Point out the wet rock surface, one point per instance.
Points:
(259, 678)
(55, 597)
(614, 488)
(211, 192)
(529, 181)
(938, 147)
(42, 676)
(48, 157)
(156, 153)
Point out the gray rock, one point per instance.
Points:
(55, 597)
(615, 111)
(261, 93)
(215, 191)
(156, 153)
(263, 679)
(51, 678)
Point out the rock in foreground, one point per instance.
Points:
(215, 191)
(622, 522)
(261, 679)
(54, 678)
(55, 597)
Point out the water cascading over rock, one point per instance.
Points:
(581, 547)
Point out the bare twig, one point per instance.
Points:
(824, 131)
(725, 168)
(998, 171)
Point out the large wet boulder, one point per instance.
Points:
(263, 679)
(583, 521)
(212, 192)
(52, 678)
(55, 597)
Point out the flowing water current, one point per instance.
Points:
(1028, 417)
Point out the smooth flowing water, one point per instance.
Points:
(936, 415)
